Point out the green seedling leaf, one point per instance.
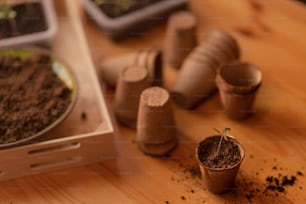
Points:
(227, 129)
(12, 14)
(6, 12)
(223, 135)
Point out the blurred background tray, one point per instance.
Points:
(86, 135)
(133, 22)
(42, 37)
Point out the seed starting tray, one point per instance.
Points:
(86, 135)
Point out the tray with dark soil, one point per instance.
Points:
(117, 8)
(36, 93)
(130, 18)
(21, 19)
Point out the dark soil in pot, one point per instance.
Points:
(115, 9)
(30, 18)
(228, 156)
(32, 97)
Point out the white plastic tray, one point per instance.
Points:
(76, 141)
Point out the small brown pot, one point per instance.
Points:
(218, 180)
(239, 78)
(110, 68)
(238, 84)
(155, 125)
(132, 81)
(153, 62)
(225, 40)
(180, 37)
(196, 80)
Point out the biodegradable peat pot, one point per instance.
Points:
(156, 129)
(219, 171)
(131, 83)
(196, 80)
(238, 84)
(180, 37)
(30, 22)
(110, 68)
(197, 83)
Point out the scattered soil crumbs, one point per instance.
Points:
(280, 182)
(31, 97)
(186, 174)
(83, 116)
(228, 156)
(273, 187)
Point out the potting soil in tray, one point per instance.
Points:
(31, 97)
(30, 18)
(116, 8)
(228, 156)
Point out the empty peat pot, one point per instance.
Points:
(156, 129)
(238, 84)
(196, 80)
(110, 68)
(132, 81)
(219, 169)
(180, 37)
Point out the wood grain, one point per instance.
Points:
(271, 35)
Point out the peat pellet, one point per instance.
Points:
(180, 37)
(132, 81)
(155, 124)
(196, 81)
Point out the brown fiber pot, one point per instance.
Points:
(156, 129)
(238, 84)
(239, 78)
(180, 37)
(196, 80)
(219, 180)
(110, 68)
(132, 81)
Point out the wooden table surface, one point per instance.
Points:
(271, 34)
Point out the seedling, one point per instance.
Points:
(6, 12)
(224, 135)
